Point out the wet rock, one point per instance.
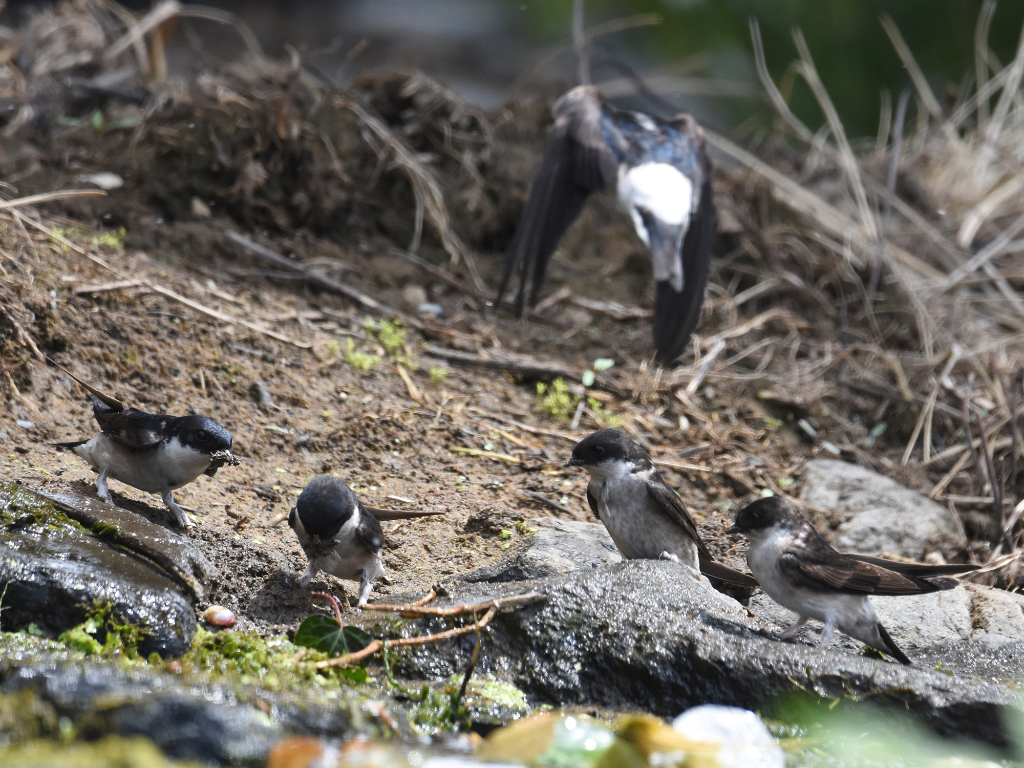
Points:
(654, 635)
(558, 546)
(166, 548)
(212, 723)
(882, 515)
(56, 571)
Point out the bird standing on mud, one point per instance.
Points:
(662, 174)
(643, 515)
(802, 572)
(149, 451)
(340, 537)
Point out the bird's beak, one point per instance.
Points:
(734, 529)
(573, 462)
(666, 242)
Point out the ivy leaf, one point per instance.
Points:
(323, 633)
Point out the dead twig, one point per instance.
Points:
(417, 609)
(313, 276)
(520, 365)
(377, 645)
(544, 500)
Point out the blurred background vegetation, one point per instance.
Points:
(853, 54)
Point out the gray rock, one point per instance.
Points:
(188, 719)
(557, 547)
(882, 515)
(56, 571)
(653, 635)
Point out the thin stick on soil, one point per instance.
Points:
(948, 477)
(545, 501)
(890, 193)
(469, 672)
(377, 645)
(997, 486)
(1015, 399)
(47, 196)
(457, 610)
(924, 416)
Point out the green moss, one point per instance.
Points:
(604, 418)
(359, 360)
(105, 633)
(24, 508)
(437, 375)
(269, 662)
(556, 400)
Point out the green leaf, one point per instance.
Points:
(603, 364)
(323, 633)
(588, 378)
(355, 674)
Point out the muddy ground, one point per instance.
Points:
(263, 153)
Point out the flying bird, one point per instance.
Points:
(645, 518)
(802, 572)
(339, 535)
(149, 451)
(662, 174)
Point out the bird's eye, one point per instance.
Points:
(203, 435)
(599, 450)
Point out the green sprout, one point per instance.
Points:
(360, 360)
(556, 400)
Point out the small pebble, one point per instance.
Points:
(25, 424)
(219, 616)
(429, 309)
(414, 295)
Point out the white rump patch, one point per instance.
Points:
(659, 188)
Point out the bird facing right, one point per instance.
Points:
(802, 572)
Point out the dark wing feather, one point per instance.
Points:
(676, 314)
(670, 505)
(131, 428)
(917, 569)
(369, 533)
(722, 572)
(593, 503)
(575, 163)
(822, 569)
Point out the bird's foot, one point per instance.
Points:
(102, 489)
(826, 633)
(365, 586)
(794, 628)
(669, 556)
(180, 517)
(305, 578)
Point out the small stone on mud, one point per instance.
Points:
(219, 616)
(200, 209)
(414, 295)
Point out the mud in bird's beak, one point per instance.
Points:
(573, 462)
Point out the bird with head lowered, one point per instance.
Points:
(645, 518)
(661, 172)
(150, 451)
(802, 572)
(339, 535)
